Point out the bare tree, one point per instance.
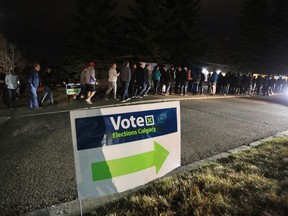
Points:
(10, 57)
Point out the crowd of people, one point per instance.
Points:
(138, 80)
(249, 84)
(10, 87)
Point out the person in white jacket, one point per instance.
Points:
(112, 81)
(11, 83)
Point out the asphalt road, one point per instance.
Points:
(213, 126)
(36, 157)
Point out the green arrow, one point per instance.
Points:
(124, 166)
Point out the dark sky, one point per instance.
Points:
(40, 27)
(219, 17)
(37, 27)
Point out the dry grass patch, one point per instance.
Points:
(253, 182)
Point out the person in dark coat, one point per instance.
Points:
(167, 79)
(140, 80)
(266, 86)
(184, 81)
(133, 83)
(33, 84)
(147, 80)
(214, 80)
(178, 79)
(125, 77)
(47, 87)
(2, 85)
(196, 77)
(201, 83)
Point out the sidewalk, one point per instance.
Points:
(65, 104)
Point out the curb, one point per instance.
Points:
(73, 208)
(135, 102)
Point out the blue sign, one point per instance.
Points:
(98, 131)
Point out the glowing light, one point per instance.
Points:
(205, 71)
(218, 71)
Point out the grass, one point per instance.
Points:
(252, 182)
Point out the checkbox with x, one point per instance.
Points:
(149, 120)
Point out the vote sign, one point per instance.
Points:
(120, 148)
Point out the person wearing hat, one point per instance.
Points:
(90, 82)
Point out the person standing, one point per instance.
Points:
(173, 75)
(156, 75)
(125, 77)
(141, 80)
(167, 80)
(90, 81)
(112, 81)
(133, 84)
(259, 84)
(213, 80)
(201, 83)
(147, 80)
(196, 78)
(2, 85)
(11, 83)
(83, 82)
(47, 87)
(184, 82)
(265, 87)
(33, 84)
(178, 80)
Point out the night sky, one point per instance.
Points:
(219, 17)
(39, 28)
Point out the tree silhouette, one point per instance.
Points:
(164, 30)
(255, 44)
(93, 36)
(280, 36)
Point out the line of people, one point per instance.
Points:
(248, 84)
(135, 81)
(139, 80)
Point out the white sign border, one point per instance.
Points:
(119, 181)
